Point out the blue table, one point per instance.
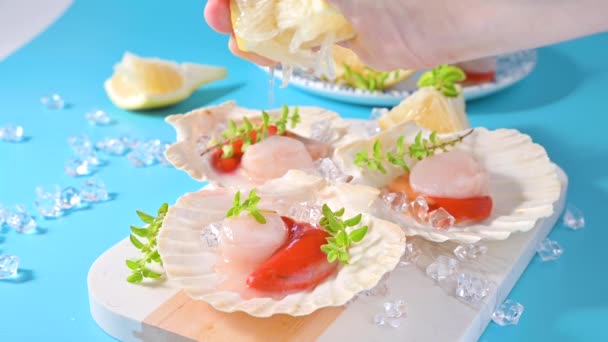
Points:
(562, 105)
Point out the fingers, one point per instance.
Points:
(257, 59)
(217, 14)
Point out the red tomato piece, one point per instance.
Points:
(225, 165)
(463, 209)
(298, 265)
(479, 77)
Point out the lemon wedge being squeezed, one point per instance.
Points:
(145, 83)
(287, 30)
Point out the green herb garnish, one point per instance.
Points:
(250, 134)
(368, 79)
(340, 241)
(420, 149)
(250, 205)
(148, 248)
(443, 78)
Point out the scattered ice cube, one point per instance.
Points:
(11, 133)
(8, 265)
(160, 154)
(53, 101)
(376, 113)
(410, 256)
(573, 218)
(18, 219)
(442, 268)
(98, 117)
(397, 201)
(322, 131)
(93, 190)
(211, 233)
(77, 167)
(80, 144)
(372, 128)
(508, 313)
(144, 153)
(3, 213)
(380, 319)
(48, 201)
(112, 146)
(472, 287)
(330, 171)
(441, 219)
(419, 208)
(393, 322)
(70, 198)
(395, 309)
(549, 250)
(468, 252)
(305, 212)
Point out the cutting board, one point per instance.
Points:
(162, 312)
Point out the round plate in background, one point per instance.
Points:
(510, 68)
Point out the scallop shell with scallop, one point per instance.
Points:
(190, 263)
(197, 128)
(523, 182)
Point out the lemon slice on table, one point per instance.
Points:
(429, 108)
(286, 30)
(145, 83)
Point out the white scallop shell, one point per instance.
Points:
(523, 181)
(190, 127)
(190, 264)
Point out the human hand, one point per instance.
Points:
(217, 15)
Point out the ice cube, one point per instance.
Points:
(394, 309)
(376, 113)
(93, 190)
(379, 319)
(8, 265)
(442, 268)
(397, 201)
(573, 218)
(508, 313)
(211, 233)
(11, 133)
(47, 201)
(549, 250)
(70, 198)
(330, 171)
(53, 101)
(144, 153)
(419, 208)
(112, 146)
(472, 287)
(441, 219)
(98, 117)
(20, 220)
(468, 252)
(77, 167)
(410, 256)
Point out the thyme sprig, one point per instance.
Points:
(420, 149)
(148, 248)
(340, 241)
(250, 205)
(443, 78)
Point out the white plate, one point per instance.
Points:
(510, 69)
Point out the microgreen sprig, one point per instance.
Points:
(368, 78)
(148, 248)
(420, 149)
(250, 205)
(340, 241)
(245, 130)
(443, 78)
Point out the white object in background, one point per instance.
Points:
(22, 20)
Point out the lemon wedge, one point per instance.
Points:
(287, 30)
(144, 83)
(429, 108)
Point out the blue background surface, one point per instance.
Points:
(562, 105)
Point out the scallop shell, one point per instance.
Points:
(190, 263)
(523, 181)
(190, 127)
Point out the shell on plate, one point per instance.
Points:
(524, 183)
(189, 262)
(194, 130)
